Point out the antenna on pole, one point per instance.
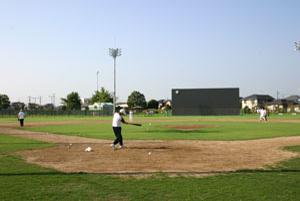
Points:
(114, 53)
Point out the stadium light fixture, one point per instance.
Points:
(297, 45)
(114, 53)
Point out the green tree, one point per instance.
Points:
(72, 102)
(49, 106)
(33, 106)
(4, 101)
(152, 104)
(17, 106)
(102, 96)
(246, 110)
(136, 99)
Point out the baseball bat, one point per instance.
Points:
(134, 124)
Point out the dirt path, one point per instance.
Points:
(148, 156)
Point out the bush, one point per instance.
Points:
(246, 110)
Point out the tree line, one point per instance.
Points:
(73, 102)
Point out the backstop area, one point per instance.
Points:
(214, 101)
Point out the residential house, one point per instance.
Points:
(255, 101)
(294, 103)
(293, 98)
(95, 107)
(289, 104)
(280, 105)
(105, 108)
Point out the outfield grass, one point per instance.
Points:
(158, 130)
(22, 181)
(44, 118)
(41, 118)
(10, 144)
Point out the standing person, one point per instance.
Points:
(262, 114)
(21, 117)
(117, 128)
(266, 114)
(130, 116)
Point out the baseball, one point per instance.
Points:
(149, 153)
(88, 149)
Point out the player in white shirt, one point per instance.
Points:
(21, 117)
(262, 114)
(117, 128)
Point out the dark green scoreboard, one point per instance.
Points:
(214, 101)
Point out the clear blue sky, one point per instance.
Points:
(57, 46)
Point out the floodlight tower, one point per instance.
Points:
(297, 45)
(114, 52)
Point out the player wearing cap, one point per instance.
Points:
(21, 117)
(117, 127)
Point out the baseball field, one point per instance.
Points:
(167, 158)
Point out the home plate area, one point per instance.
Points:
(174, 156)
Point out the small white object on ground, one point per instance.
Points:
(149, 153)
(88, 149)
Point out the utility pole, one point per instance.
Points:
(114, 52)
(97, 81)
(52, 99)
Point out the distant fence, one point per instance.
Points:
(57, 113)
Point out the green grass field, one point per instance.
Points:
(220, 130)
(22, 181)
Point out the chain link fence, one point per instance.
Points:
(57, 113)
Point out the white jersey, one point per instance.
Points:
(21, 115)
(117, 120)
(262, 112)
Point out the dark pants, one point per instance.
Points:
(118, 134)
(21, 122)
